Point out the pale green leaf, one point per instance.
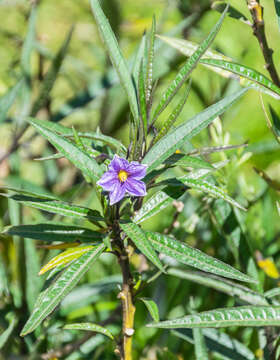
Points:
(89, 327)
(152, 307)
(7, 100)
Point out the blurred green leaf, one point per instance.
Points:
(193, 257)
(28, 44)
(116, 56)
(199, 345)
(188, 161)
(7, 100)
(152, 307)
(90, 327)
(4, 337)
(238, 316)
(51, 297)
(220, 343)
(277, 9)
(228, 287)
(231, 11)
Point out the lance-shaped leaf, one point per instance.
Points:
(237, 316)
(78, 157)
(185, 71)
(152, 307)
(5, 335)
(220, 343)
(116, 55)
(139, 58)
(257, 80)
(142, 101)
(65, 257)
(90, 327)
(211, 189)
(7, 100)
(176, 138)
(51, 297)
(172, 118)
(138, 237)
(188, 255)
(28, 44)
(57, 207)
(228, 287)
(54, 232)
(150, 62)
(199, 345)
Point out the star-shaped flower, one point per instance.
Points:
(123, 177)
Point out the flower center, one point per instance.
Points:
(123, 175)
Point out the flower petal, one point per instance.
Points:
(136, 170)
(118, 164)
(135, 187)
(117, 193)
(108, 180)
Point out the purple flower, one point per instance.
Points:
(123, 177)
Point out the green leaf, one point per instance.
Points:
(51, 297)
(139, 58)
(65, 257)
(228, 287)
(51, 75)
(150, 62)
(185, 71)
(54, 232)
(176, 138)
(256, 79)
(272, 293)
(138, 237)
(152, 308)
(212, 190)
(188, 161)
(7, 100)
(142, 102)
(116, 55)
(172, 118)
(79, 158)
(193, 257)
(28, 44)
(219, 343)
(89, 327)
(4, 337)
(275, 122)
(199, 345)
(237, 316)
(57, 207)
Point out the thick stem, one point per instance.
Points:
(128, 308)
(259, 31)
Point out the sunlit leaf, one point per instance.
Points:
(89, 327)
(152, 307)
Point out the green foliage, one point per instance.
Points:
(71, 261)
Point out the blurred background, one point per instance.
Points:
(85, 93)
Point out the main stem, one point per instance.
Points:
(128, 308)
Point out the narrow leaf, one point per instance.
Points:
(78, 157)
(5, 335)
(185, 71)
(90, 327)
(152, 308)
(150, 62)
(51, 297)
(258, 80)
(172, 118)
(193, 257)
(238, 316)
(7, 100)
(116, 56)
(138, 237)
(188, 161)
(199, 345)
(57, 207)
(176, 138)
(54, 232)
(65, 257)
